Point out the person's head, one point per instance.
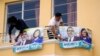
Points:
(12, 20)
(58, 16)
(70, 31)
(24, 34)
(83, 32)
(36, 33)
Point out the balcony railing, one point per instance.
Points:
(4, 39)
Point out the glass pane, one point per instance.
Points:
(64, 17)
(14, 7)
(29, 14)
(68, 19)
(73, 7)
(62, 9)
(31, 5)
(73, 0)
(17, 15)
(73, 17)
(66, 7)
(58, 2)
(31, 23)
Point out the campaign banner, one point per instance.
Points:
(75, 44)
(33, 46)
(71, 44)
(75, 37)
(30, 39)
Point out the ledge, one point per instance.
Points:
(50, 41)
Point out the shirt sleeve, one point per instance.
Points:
(22, 23)
(61, 20)
(11, 28)
(52, 22)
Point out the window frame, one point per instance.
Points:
(22, 12)
(53, 11)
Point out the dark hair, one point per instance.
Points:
(36, 31)
(58, 14)
(82, 31)
(11, 20)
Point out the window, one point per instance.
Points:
(68, 8)
(27, 10)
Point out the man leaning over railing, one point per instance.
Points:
(54, 24)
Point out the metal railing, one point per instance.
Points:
(4, 37)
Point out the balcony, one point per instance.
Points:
(50, 48)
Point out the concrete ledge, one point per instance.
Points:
(49, 41)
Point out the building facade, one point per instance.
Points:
(83, 13)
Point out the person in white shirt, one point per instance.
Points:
(54, 24)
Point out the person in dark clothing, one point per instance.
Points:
(19, 24)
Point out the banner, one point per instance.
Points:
(30, 39)
(33, 46)
(75, 37)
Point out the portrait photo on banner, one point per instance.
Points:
(30, 39)
(73, 37)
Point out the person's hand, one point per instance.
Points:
(56, 37)
(59, 37)
(10, 41)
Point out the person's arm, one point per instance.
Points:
(22, 24)
(17, 43)
(52, 26)
(53, 30)
(10, 30)
(21, 27)
(61, 22)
